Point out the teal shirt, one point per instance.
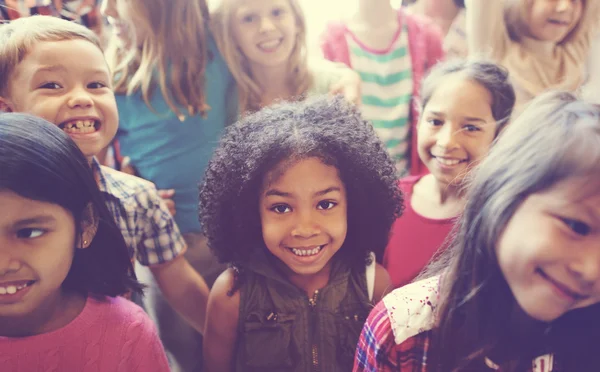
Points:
(171, 153)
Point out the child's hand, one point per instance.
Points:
(348, 86)
(167, 196)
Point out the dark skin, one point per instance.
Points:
(220, 333)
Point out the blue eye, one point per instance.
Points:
(326, 205)
(578, 227)
(30, 233)
(281, 209)
(249, 18)
(277, 12)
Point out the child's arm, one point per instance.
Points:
(336, 78)
(222, 320)
(184, 289)
(487, 35)
(383, 283)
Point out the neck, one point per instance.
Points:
(375, 11)
(55, 312)
(448, 193)
(540, 47)
(273, 82)
(311, 283)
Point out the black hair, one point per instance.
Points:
(489, 75)
(555, 138)
(40, 162)
(327, 128)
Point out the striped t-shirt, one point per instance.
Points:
(387, 87)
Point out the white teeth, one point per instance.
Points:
(270, 44)
(448, 161)
(306, 252)
(11, 289)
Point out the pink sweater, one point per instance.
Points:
(112, 335)
(425, 46)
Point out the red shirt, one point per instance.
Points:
(414, 239)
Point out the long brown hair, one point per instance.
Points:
(555, 138)
(173, 56)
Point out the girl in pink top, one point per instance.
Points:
(63, 263)
(465, 105)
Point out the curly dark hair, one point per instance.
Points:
(323, 127)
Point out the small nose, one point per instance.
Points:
(446, 136)
(306, 226)
(8, 263)
(586, 266)
(80, 98)
(266, 24)
(564, 5)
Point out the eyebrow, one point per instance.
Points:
(275, 192)
(40, 219)
(466, 118)
(54, 68)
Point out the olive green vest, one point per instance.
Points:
(280, 329)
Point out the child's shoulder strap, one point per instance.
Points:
(371, 276)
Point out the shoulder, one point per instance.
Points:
(220, 301)
(334, 31)
(124, 186)
(411, 309)
(406, 184)
(119, 312)
(383, 283)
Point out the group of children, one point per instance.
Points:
(301, 199)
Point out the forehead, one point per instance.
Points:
(17, 207)
(456, 94)
(257, 5)
(309, 170)
(76, 54)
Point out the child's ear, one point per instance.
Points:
(89, 227)
(5, 105)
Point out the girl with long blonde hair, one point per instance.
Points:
(264, 45)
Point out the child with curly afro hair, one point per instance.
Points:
(299, 199)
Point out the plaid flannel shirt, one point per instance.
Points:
(397, 333)
(148, 228)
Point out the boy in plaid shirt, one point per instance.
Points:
(63, 78)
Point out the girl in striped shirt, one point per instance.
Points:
(391, 51)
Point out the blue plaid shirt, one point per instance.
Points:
(148, 228)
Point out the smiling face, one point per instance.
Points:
(37, 245)
(68, 84)
(552, 20)
(303, 213)
(549, 251)
(265, 31)
(456, 128)
(126, 20)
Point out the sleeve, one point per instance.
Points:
(324, 74)
(435, 46)
(486, 30)
(161, 240)
(333, 44)
(142, 350)
(376, 343)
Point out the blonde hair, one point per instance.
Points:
(174, 52)
(516, 15)
(249, 92)
(18, 37)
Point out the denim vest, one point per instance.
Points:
(281, 329)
